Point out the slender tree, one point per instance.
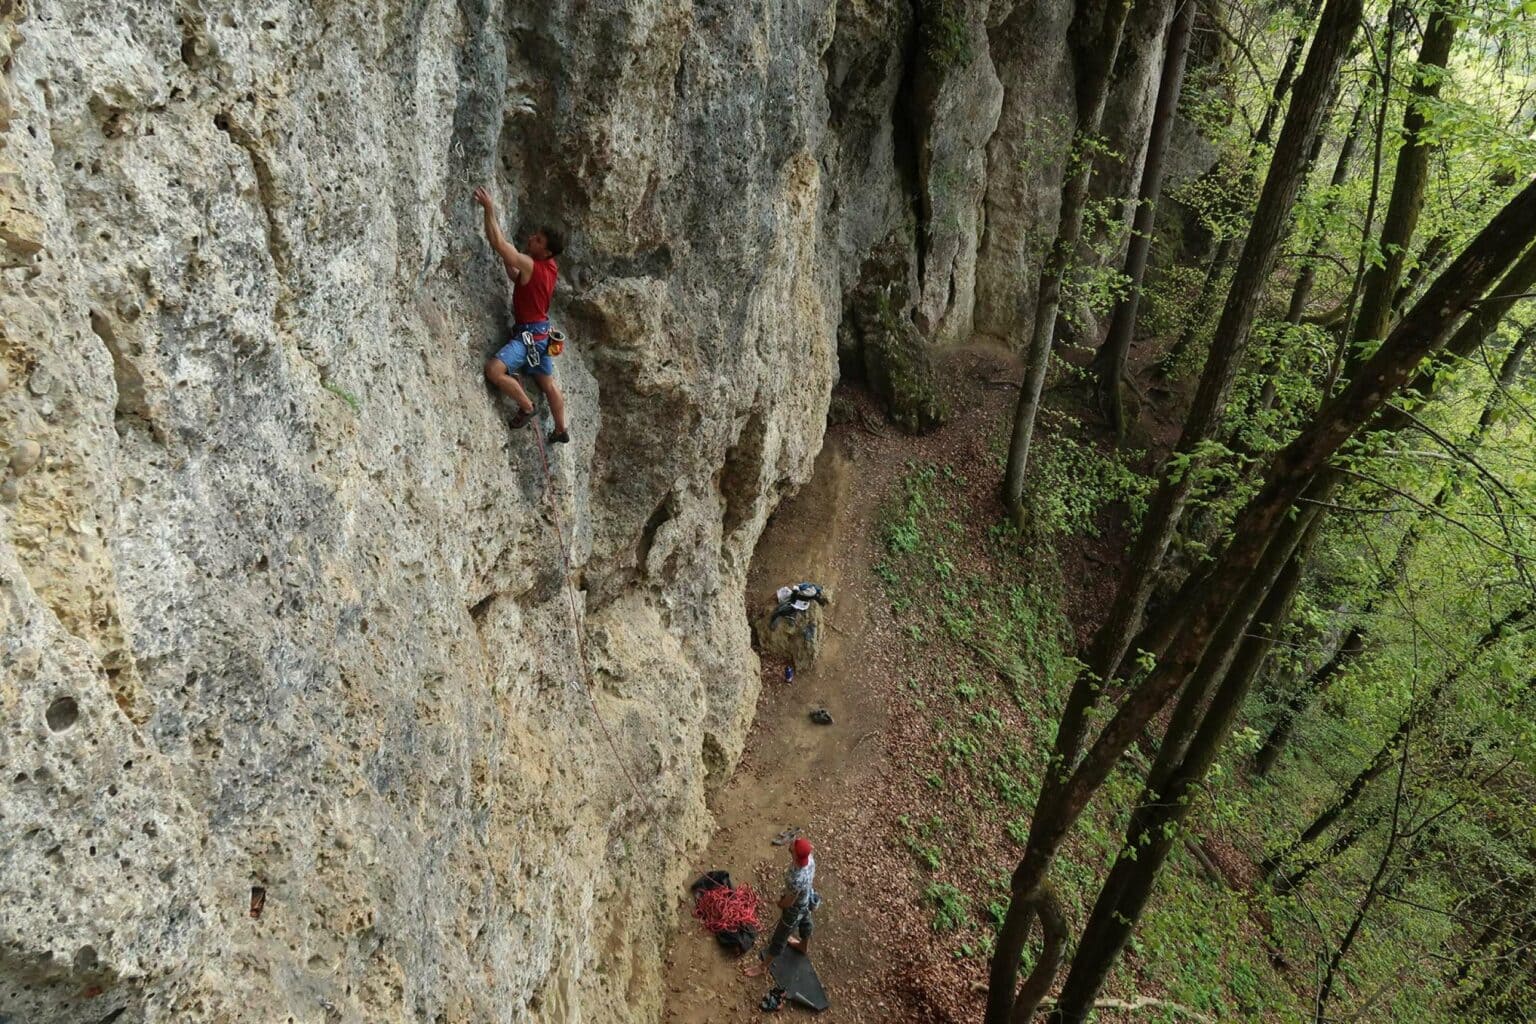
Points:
(1417, 714)
(1301, 291)
(1190, 746)
(1216, 265)
(1382, 279)
(1109, 365)
(1096, 29)
(1313, 95)
(1242, 575)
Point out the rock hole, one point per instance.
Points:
(479, 608)
(258, 900)
(86, 959)
(63, 714)
(109, 1018)
(132, 397)
(221, 121)
(740, 479)
(648, 533)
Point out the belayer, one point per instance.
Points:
(533, 283)
(796, 599)
(796, 904)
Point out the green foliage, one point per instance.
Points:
(1074, 481)
(343, 394)
(943, 33)
(921, 840)
(1092, 281)
(951, 907)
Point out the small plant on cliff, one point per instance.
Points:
(943, 34)
(345, 395)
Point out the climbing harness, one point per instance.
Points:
(539, 340)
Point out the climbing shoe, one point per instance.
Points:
(772, 1001)
(821, 716)
(521, 419)
(558, 437)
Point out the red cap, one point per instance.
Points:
(801, 848)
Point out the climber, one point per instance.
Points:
(533, 282)
(796, 599)
(795, 906)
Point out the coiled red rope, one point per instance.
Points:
(725, 910)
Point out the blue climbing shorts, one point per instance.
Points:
(524, 355)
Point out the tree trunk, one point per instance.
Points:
(1436, 251)
(1216, 267)
(1070, 783)
(1382, 279)
(1269, 752)
(1109, 365)
(1096, 31)
(1313, 95)
(1383, 758)
(1181, 766)
(1301, 291)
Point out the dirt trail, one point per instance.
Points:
(872, 945)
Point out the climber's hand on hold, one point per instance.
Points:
(519, 265)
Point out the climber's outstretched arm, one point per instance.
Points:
(519, 265)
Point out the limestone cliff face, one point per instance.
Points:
(281, 595)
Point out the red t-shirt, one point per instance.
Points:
(530, 302)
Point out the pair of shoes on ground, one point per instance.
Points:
(555, 436)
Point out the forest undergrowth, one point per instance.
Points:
(984, 625)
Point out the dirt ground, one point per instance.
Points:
(846, 783)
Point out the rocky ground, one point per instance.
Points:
(847, 784)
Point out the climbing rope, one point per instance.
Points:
(723, 909)
(576, 628)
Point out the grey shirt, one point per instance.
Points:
(800, 881)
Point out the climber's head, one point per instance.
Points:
(545, 241)
(800, 849)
